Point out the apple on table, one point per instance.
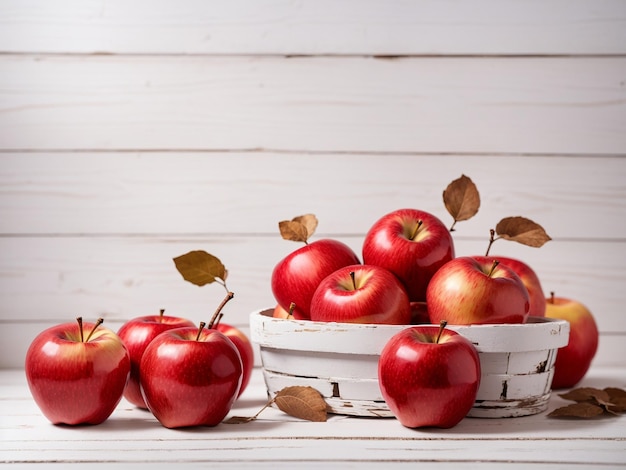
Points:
(467, 290)
(574, 360)
(411, 243)
(77, 372)
(136, 334)
(361, 294)
(190, 376)
(429, 376)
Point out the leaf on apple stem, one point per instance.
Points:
(298, 229)
(592, 402)
(522, 230)
(200, 268)
(302, 402)
(461, 199)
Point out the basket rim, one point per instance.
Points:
(538, 333)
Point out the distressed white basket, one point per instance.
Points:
(340, 360)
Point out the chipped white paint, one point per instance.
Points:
(340, 360)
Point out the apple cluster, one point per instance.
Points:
(185, 375)
(410, 275)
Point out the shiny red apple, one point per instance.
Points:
(296, 276)
(137, 334)
(246, 351)
(361, 294)
(470, 291)
(429, 376)
(412, 244)
(76, 372)
(190, 377)
(529, 278)
(574, 360)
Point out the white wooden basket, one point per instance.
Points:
(340, 360)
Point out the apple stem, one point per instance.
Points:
(219, 318)
(292, 307)
(200, 328)
(353, 277)
(492, 238)
(98, 323)
(493, 267)
(442, 325)
(229, 296)
(417, 228)
(551, 299)
(161, 313)
(80, 328)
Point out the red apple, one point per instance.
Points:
(190, 377)
(244, 346)
(280, 312)
(412, 244)
(361, 294)
(419, 313)
(528, 277)
(137, 334)
(429, 376)
(469, 291)
(573, 361)
(295, 277)
(77, 372)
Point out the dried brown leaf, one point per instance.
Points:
(200, 268)
(522, 230)
(302, 402)
(586, 394)
(309, 221)
(617, 399)
(239, 419)
(298, 229)
(461, 199)
(577, 410)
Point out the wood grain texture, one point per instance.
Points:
(132, 438)
(395, 27)
(322, 104)
(249, 193)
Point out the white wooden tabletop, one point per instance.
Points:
(132, 438)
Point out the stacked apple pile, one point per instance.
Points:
(184, 374)
(410, 275)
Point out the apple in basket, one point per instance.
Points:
(296, 276)
(412, 244)
(361, 294)
(471, 291)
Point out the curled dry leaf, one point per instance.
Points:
(200, 268)
(577, 410)
(297, 401)
(298, 229)
(522, 230)
(461, 199)
(592, 402)
(302, 402)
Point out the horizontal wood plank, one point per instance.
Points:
(131, 437)
(374, 27)
(248, 193)
(48, 280)
(322, 104)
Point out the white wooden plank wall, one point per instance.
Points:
(134, 131)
